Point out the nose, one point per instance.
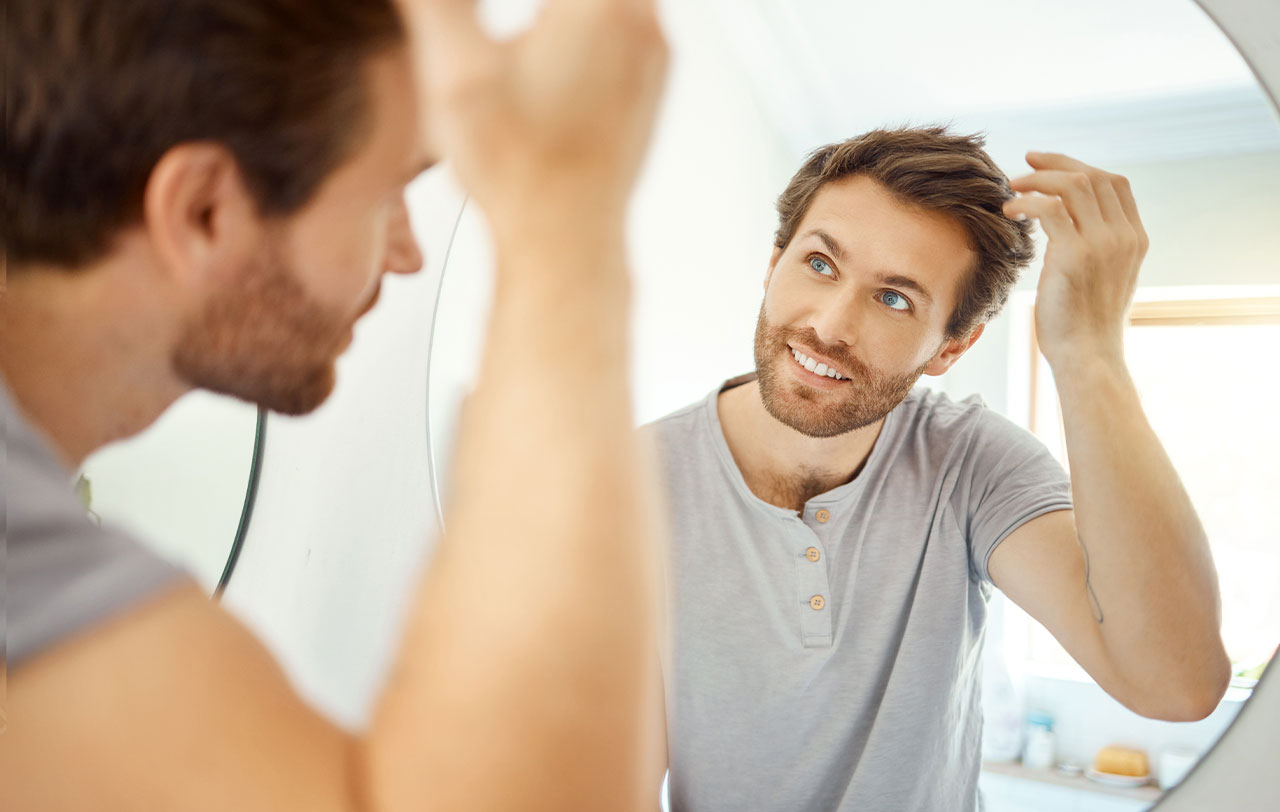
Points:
(403, 254)
(836, 320)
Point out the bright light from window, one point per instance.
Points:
(1213, 398)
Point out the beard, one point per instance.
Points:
(866, 397)
(262, 339)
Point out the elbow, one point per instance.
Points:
(1190, 696)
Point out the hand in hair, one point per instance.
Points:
(1096, 245)
(551, 123)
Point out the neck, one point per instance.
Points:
(85, 356)
(781, 465)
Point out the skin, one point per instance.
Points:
(525, 703)
(1125, 581)
(841, 314)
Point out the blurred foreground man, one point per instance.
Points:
(838, 533)
(205, 194)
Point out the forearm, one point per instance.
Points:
(1149, 572)
(526, 669)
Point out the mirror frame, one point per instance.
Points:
(246, 509)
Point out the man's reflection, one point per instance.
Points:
(838, 533)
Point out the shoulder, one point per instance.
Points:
(677, 427)
(935, 414)
(930, 419)
(65, 573)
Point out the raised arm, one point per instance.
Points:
(530, 661)
(1127, 582)
(527, 677)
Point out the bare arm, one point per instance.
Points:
(526, 679)
(1127, 584)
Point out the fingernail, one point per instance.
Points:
(1020, 217)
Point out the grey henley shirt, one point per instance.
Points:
(831, 660)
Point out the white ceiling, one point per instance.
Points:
(1112, 81)
(1119, 80)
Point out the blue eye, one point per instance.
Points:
(820, 265)
(895, 300)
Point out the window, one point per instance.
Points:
(1206, 373)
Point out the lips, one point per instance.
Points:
(816, 364)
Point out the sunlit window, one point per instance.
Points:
(1205, 370)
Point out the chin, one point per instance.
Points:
(302, 395)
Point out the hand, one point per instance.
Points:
(550, 126)
(1096, 245)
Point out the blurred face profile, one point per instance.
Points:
(856, 307)
(272, 331)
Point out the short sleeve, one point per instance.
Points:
(63, 574)
(1007, 478)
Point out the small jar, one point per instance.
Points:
(1037, 753)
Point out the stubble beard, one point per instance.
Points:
(264, 340)
(865, 398)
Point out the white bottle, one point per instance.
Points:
(1037, 753)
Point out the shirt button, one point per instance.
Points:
(823, 515)
(812, 554)
(816, 602)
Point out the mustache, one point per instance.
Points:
(782, 336)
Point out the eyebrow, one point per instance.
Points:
(894, 279)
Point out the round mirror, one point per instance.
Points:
(1151, 89)
(186, 485)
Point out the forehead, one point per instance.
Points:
(883, 234)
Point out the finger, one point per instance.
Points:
(1075, 189)
(1124, 192)
(646, 6)
(448, 31)
(1103, 182)
(1050, 211)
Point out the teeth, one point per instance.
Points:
(814, 367)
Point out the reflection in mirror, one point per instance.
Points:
(1149, 89)
(185, 486)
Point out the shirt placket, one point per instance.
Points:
(813, 586)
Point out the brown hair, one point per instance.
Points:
(99, 90)
(936, 170)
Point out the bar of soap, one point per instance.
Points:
(1121, 761)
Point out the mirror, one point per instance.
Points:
(1151, 89)
(185, 486)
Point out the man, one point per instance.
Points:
(838, 534)
(206, 193)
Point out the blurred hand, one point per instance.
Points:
(548, 127)
(1096, 245)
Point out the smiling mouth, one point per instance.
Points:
(815, 367)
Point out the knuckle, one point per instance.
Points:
(1081, 182)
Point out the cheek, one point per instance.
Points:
(342, 264)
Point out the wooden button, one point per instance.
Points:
(823, 515)
(817, 602)
(812, 554)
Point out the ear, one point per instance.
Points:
(951, 351)
(773, 263)
(198, 213)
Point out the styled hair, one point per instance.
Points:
(935, 170)
(98, 91)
